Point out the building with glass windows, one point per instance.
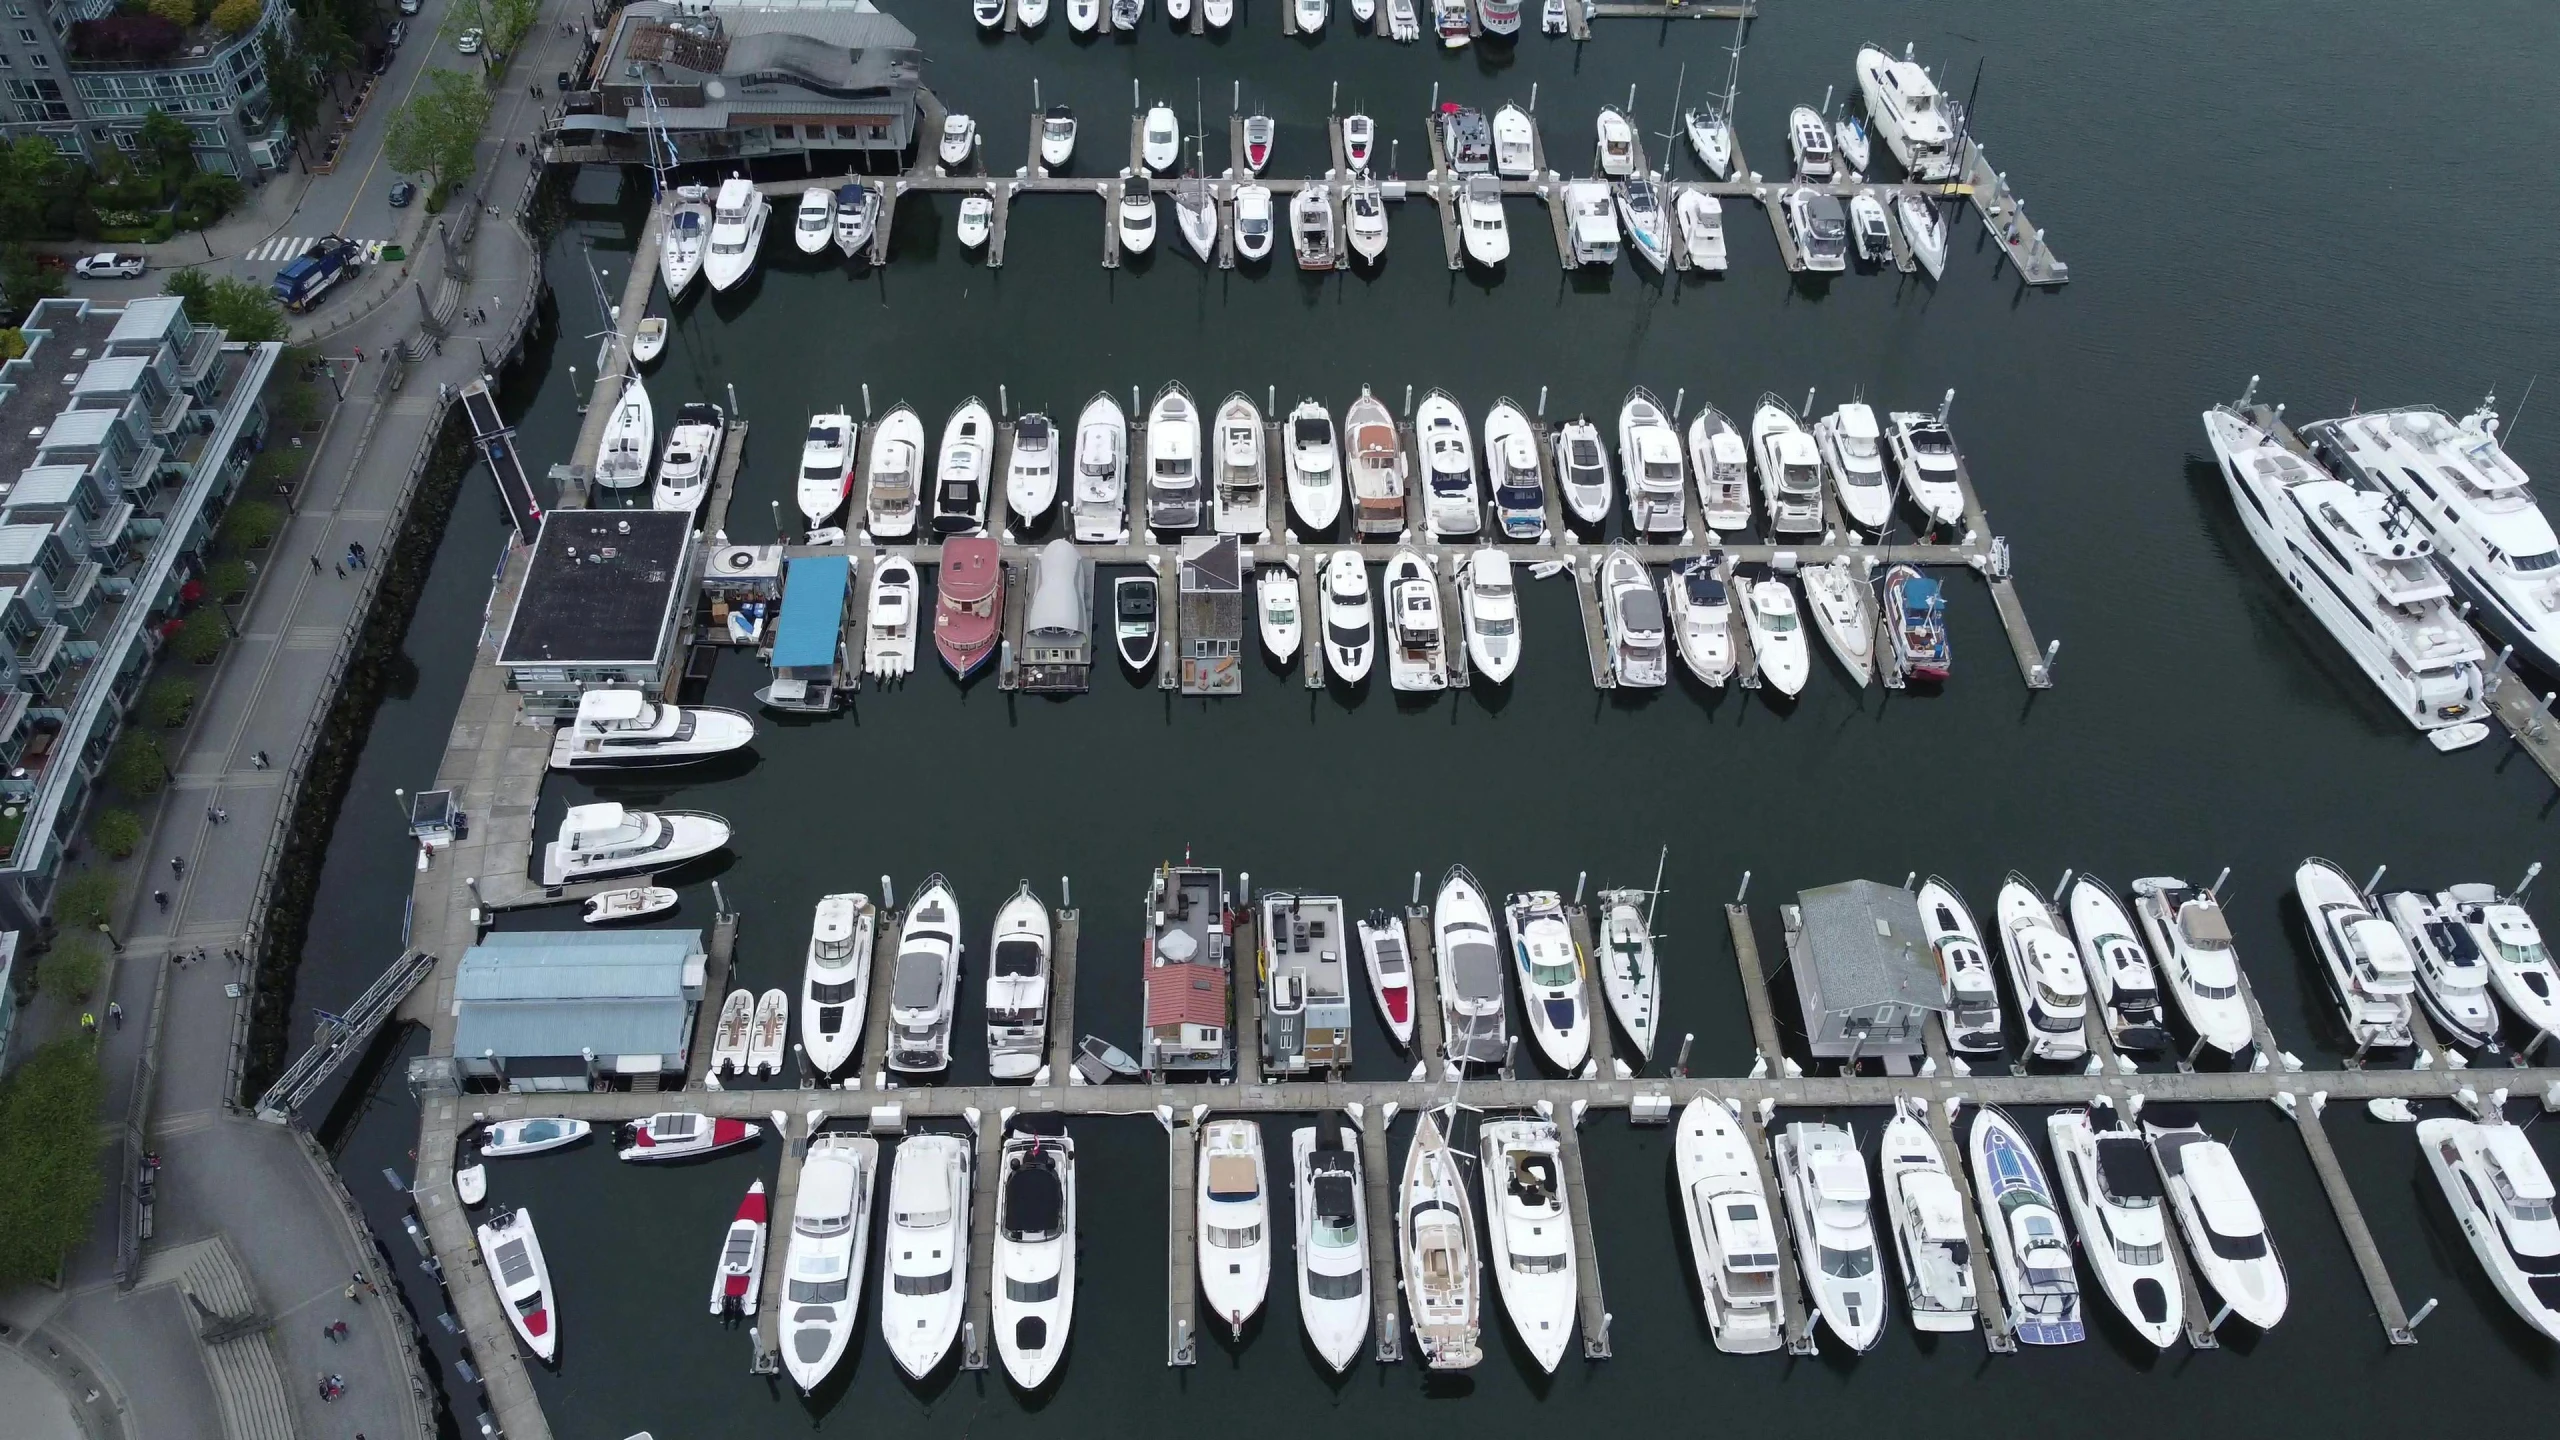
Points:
(83, 78)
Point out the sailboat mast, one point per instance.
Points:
(1733, 72)
(1654, 896)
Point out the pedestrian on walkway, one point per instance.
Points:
(213, 815)
(351, 1291)
(356, 548)
(115, 1014)
(329, 1332)
(178, 866)
(260, 759)
(315, 562)
(342, 569)
(160, 898)
(88, 1022)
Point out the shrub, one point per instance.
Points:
(228, 580)
(50, 1177)
(86, 900)
(145, 38)
(180, 13)
(276, 466)
(250, 525)
(203, 636)
(236, 16)
(70, 970)
(137, 765)
(169, 702)
(117, 832)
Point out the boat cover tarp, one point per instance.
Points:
(917, 982)
(1034, 1202)
(2124, 1163)
(813, 591)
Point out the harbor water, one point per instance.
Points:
(2298, 191)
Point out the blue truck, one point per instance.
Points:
(312, 274)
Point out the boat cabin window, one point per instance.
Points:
(1030, 1292)
(2236, 1247)
(819, 1292)
(1321, 1286)
(2523, 1207)
(933, 1284)
(1848, 1264)
(1238, 1238)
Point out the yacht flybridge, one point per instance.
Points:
(1906, 109)
(1824, 1181)
(1733, 1238)
(2371, 974)
(2453, 975)
(2501, 1193)
(1476, 1028)
(606, 839)
(738, 217)
(2355, 555)
(1929, 1239)
(624, 729)
(2520, 968)
(1018, 987)
(2044, 971)
(2117, 967)
(826, 467)
(924, 985)
(1973, 997)
(2190, 942)
(925, 1252)
(835, 986)
(1235, 1221)
(2115, 1194)
(1529, 1230)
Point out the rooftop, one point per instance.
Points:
(600, 589)
(1867, 948)
(564, 992)
(63, 336)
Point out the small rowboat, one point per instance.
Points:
(739, 1279)
(729, 1038)
(630, 903)
(1099, 1062)
(764, 1042)
(506, 1139)
(650, 339)
(471, 1183)
(684, 1134)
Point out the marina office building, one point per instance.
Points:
(123, 433)
(561, 1010)
(600, 607)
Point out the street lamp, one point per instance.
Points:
(115, 944)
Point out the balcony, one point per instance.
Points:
(147, 42)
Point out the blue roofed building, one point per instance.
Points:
(568, 1009)
(808, 641)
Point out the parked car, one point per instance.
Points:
(398, 32)
(408, 7)
(469, 41)
(111, 266)
(402, 192)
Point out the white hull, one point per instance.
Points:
(1436, 1247)
(813, 226)
(1314, 466)
(1350, 619)
(1701, 629)
(1031, 470)
(835, 981)
(513, 1255)
(2191, 951)
(680, 253)
(889, 648)
(925, 981)
(2113, 1227)
(2457, 1152)
(1548, 968)
(893, 477)
(1776, 628)
(1417, 639)
(2226, 1235)
(1276, 601)
(1390, 969)
(2044, 972)
(1018, 980)
(1824, 1180)
(1733, 1239)
(731, 256)
(1099, 512)
(2372, 978)
(630, 439)
(1529, 1230)
(1490, 609)
(1839, 612)
(1629, 978)
(1034, 1280)
(1927, 1218)
(1234, 1238)
(924, 1284)
(826, 467)
(1331, 1254)
(2030, 1246)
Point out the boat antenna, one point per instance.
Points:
(2516, 418)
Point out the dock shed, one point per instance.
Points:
(1863, 971)
(600, 606)
(566, 1009)
(1212, 616)
(808, 640)
(1057, 632)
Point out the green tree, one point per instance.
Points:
(69, 971)
(228, 580)
(293, 84)
(50, 1177)
(435, 134)
(167, 145)
(169, 702)
(234, 17)
(86, 900)
(30, 171)
(203, 636)
(23, 282)
(176, 12)
(207, 197)
(239, 307)
(137, 765)
(250, 525)
(117, 832)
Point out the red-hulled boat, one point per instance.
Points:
(740, 1278)
(969, 613)
(684, 1134)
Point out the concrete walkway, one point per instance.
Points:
(260, 1187)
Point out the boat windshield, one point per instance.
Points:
(1544, 969)
(1848, 1264)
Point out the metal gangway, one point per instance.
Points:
(341, 1035)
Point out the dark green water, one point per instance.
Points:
(2324, 193)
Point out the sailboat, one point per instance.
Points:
(1710, 126)
(1436, 1245)
(1629, 979)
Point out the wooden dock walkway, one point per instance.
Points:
(1430, 1045)
(1311, 617)
(1590, 1305)
(1181, 1278)
(717, 955)
(1246, 989)
(2005, 216)
(777, 1250)
(1168, 616)
(1068, 927)
(2342, 1201)
(1604, 1045)
(1755, 984)
(1453, 627)
(1595, 638)
(977, 1333)
(875, 1025)
(1378, 1188)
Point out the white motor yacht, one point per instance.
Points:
(977, 222)
(1548, 966)
(924, 985)
(630, 440)
(1489, 607)
(1057, 137)
(1721, 465)
(1624, 959)
(530, 1135)
(1311, 230)
(857, 217)
(1790, 468)
(925, 1251)
(960, 470)
(2115, 1195)
(1453, 506)
(1030, 14)
(693, 452)
(2190, 941)
(1849, 140)
(1219, 14)
(1174, 500)
(2520, 968)
(1924, 230)
(1515, 143)
(2030, 1246)
(1133, 614)
(1908, 113)
(1582, 470)
(1314, 465)
(1809, 141)
(2453, 974)
(2044, 972)
(688, 232)
(1819, 226)
(1631, 614)
(958, 140)
(1160, 139)
(1350, 625)
(672, 1135)
(1276, 603)
(1710, 139)
(606, 839)
(1646, 223)
(1383, 955)
(512, 1254)
(2226, 1234)
(1701, 220)
(1849, 442)
(1955, 942)
(2501, 1194)
(889, 620)
(1034, 1282)
(1701, 609)
(2126, 988)
(1018, 987)
(1259, 131)
(1359, 139)
(1617, 142)
(1649, 459)
(990, 13)
(1311, 18)
(1511, 467)
(1733, 1239)
(1591, 223)
(1364, 219)
(1137, 214)
(1255, 221)
(1031, 470)
(1776, 628)
(1417, 648)
(1924, 454)
(1084, 16)
(1839, 604)
(1436, 1245)
(1238, 499)
(2371, 975)
(1235, 1222)
(737, 231)
(1529, 1230)
(624, 729)
(826, 466)
(1474, 1023)
(1487, 237)
(1929, 1239)
(835, 984)
(893, 475)
(814, 227)
(2469, 495)
(1099, 507)
(1330, 1206)
(2355, 555)
(1824, 1181)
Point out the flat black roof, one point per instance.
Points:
(41, 383)
(600, 589)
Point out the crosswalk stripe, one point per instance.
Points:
(286, 247)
